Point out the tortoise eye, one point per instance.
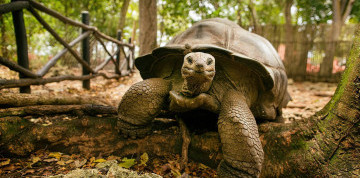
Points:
(209, 61)
(190, 60)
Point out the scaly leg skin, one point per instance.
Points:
(140, 105)
(241, 147)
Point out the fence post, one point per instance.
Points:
(130, 57)
(118, 37)
(21, 43)
(85, 18)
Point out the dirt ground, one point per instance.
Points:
(307, 98)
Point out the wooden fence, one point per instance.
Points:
(308, 47)
(27, 77)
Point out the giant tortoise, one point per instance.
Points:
(249, 82)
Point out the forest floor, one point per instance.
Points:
(307, 98)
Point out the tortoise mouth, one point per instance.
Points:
(189, 71)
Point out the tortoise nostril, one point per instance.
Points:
(200, 66)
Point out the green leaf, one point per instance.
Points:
(127, 163)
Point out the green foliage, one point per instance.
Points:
(174, 16)
(355, 12)
(314, 12)
(270, 12)
(103, 14)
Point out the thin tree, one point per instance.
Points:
(254, 17)
(123, 11)
(289, 43)
(147, 25)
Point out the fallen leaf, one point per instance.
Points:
(62, 163)
(73, 156)
(10, 167)
(6, 162)
(65, 156)
(203, 166)
(176, 173)
(66, 118)
(92, 159)
(69, 161)
(46, 173)
(127, 163)
(165, 167)
(35, 160)
(56, 155)
(29, 171)
(113, 158)
(80, 163)
(144, 158)
(100, 160)
(50, 160)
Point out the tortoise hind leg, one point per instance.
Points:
(140, 105)
(241, 147)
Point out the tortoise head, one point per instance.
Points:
(198, 71)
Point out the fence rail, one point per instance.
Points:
(27, 77)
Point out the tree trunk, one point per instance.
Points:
(43, 110)
(239, 19)
(133, 35)
(8, 100)
(257, 27)
(289, 43)
(147, 26)
(123, 11)
(341, 10)
(305, 41)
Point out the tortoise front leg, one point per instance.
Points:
(241, 147)
(140, 105)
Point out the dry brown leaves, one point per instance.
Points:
(45, 163)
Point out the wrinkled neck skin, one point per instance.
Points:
(195, 85)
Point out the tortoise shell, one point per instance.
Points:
(224, 37)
